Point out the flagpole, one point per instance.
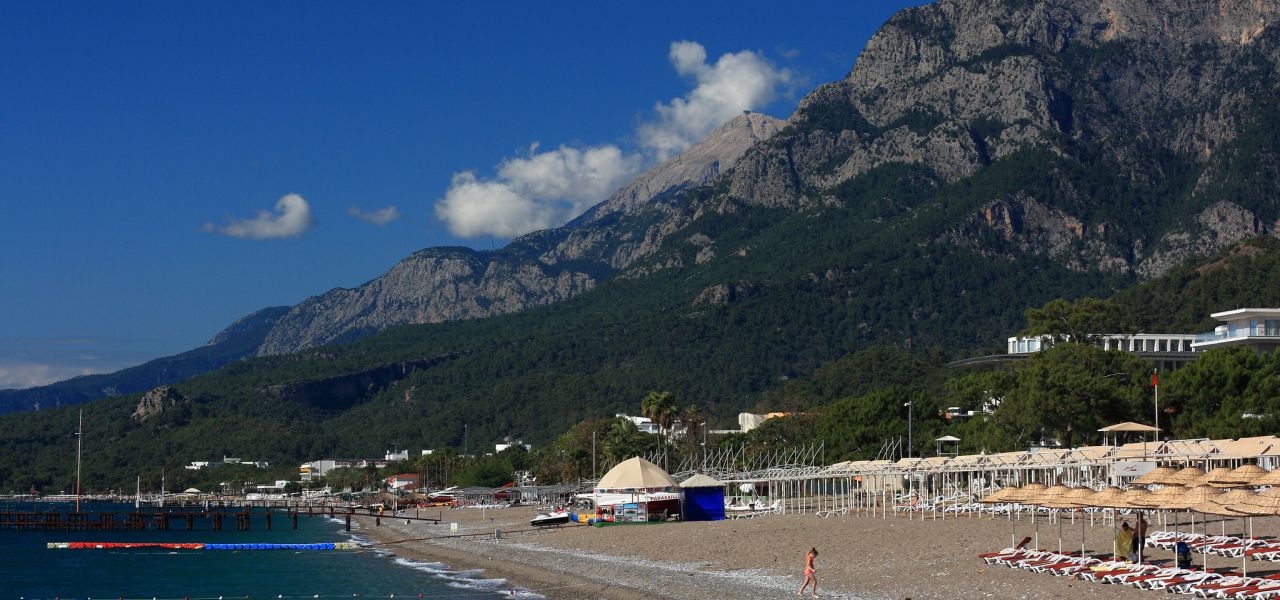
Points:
(1155, 383)
(79, 437)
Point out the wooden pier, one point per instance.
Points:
(224, 518)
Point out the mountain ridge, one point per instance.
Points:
(445, 284)
(239, 340)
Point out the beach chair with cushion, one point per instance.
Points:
(1238, 548)
(1068, 567)
(1211, 589)
(995, 557)
(1053, 558)
(1245, 590)
(1269, 552)
(1266, 594)
(1120, 576)
(1252, 591)
(1111, 567)
(1139, 580)
(1186, 577)
(1180, 578)
(1035, 558)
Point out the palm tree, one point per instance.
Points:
(618, 442)
(661, 409)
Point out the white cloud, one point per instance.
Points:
(291, 218)
(737, 81)
(382, 216)
(546, 189)
(27, 362)
(542, 190)
(25, 375)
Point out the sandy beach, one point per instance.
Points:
(861, 557)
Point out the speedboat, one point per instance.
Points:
(557, 517)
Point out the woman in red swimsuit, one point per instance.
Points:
(810, 573)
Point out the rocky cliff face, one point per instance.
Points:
(156, 401)
(445, 284)
(1151, 92)
(1144, 133)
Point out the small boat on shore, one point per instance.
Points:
(558, 517)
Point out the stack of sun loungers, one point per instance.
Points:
(1221, 545)
(1192, 582)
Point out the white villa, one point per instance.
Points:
(1258, 328)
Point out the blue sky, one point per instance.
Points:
(139, 143)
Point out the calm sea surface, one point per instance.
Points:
(31, 571)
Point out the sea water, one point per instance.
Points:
(29, 570)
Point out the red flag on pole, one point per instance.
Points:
(1155, 381)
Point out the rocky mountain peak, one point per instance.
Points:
(445, 284)
(697, 165)
(1137, 102)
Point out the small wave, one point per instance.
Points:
(434, 568)
(478, 584)
(469, 579)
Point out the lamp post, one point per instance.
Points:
(593, 454)
(909, 404)
(704, 446)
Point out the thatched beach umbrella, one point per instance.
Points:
(1074, 499)
(1189, 476)
(1022, 494)
(1248, 474)
(1036, 494)
(1161, 499)
(1012, 495)
(1260, 506)
(1108, 498)
(1240, 501)
(1004, 496)
(1213, 508)
(1263, 496)
(1221, 477)
(1136, 499)
(1270, 478)
(1194, 495)
(1158, 476)
(1050, 498)
(999, 496)
(1198, 499)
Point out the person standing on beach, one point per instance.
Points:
(1124, 542)
(810, 573)
(1139, 534)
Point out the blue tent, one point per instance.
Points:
(703, 499)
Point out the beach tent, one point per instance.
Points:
(703, 498)
(642, 489)
(636, 474)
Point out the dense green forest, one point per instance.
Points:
(829, 286)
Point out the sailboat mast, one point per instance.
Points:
(79, 439)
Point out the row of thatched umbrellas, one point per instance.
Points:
(1222, 491)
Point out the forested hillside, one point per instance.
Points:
(980, 159)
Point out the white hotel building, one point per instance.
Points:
(1258, 328)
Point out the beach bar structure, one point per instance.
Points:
(944, 486)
